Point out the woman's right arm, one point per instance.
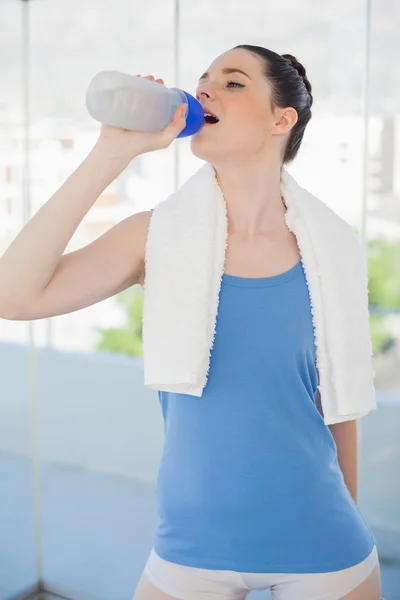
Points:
(36, 279)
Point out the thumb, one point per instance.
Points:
(178, 123)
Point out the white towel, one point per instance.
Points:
(184, 263)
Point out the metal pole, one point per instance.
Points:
(32, 366)
(366, 116)
(176, 84)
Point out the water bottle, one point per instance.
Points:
(139, 104)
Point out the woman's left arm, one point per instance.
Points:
(345, 436)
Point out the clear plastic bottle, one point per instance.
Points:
(139, 104)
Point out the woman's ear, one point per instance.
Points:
(286, 120)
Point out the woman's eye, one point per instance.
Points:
(234, 84)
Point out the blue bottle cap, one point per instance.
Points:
(194, 116)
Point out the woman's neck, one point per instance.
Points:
(253, 198)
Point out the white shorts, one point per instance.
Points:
(185, 583)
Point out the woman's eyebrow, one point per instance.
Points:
(226, 71)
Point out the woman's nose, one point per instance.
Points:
(204, 92)
(202, 96)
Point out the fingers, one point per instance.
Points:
(179, 120)
(151, 77)
(164, 138)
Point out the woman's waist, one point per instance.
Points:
(259, 487)
(248, 458)
(260, 512)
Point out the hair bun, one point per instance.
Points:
(300, 69)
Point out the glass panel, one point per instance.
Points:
(101, 36)
(100, 433)
(380, 465)
(18, 566)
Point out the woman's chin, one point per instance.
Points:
(205, 148)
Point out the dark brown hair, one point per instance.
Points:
(290, 87)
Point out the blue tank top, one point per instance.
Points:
(249, 478)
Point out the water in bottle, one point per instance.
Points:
(139, 104)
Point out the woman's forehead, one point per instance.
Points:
(236, 58)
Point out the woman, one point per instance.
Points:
(247, 499)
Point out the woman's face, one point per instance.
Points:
(242, 103)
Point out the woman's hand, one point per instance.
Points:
(125, 145)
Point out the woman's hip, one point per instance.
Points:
(183, 582)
